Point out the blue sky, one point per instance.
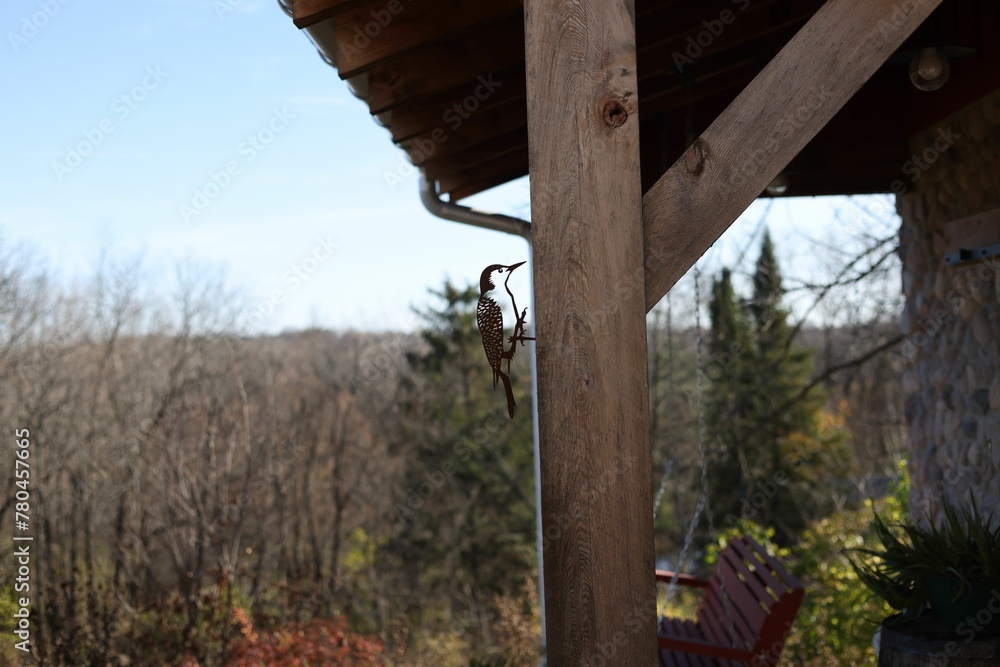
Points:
(181, 130)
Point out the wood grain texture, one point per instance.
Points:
(380, 30)
(981, 229)
(590, 323)
(482, 126)
(308, 12)
(767, 125)
(447, 64)
(453, 107)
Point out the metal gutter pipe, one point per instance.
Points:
(511, 225)
(323, 35)
(470, 216)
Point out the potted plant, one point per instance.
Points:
(951, 571)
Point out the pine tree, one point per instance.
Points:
(467, 516)
(728, 404)
(774, 451)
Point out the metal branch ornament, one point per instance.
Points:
(489, 316)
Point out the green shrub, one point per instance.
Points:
(904, 566)
(839, 615)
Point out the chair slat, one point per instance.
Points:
(719, 618)
(716, 624)
(762, 566)
(791, 582)
(763, 601)
(685, 630)
(742, 597)
(683, 659)
(755, 583)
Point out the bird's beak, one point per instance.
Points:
(514, 266)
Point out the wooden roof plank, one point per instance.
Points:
(477, 154)
(673, 27)
(512, 161)
(309, 12)
(450, 62)
(379, 30)
(484, 185)
(480, 127)
(767, 125)
(446, 64)
(453, 107)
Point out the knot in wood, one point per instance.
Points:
(694, 158)
(614, 113)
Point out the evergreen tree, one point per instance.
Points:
(774, 453)
(467, 515)
(728, 398)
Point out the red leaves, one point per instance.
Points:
(321, 642)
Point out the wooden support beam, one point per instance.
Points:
(453, 61)
(767, 125)
(586, 202)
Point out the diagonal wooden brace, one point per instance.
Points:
(764, 128)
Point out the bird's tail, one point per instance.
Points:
(510, 393)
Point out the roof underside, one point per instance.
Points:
(447, 77)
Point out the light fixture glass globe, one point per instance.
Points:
(929, 69)
(930, 64)
(779, 185)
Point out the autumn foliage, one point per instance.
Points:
(319, 642)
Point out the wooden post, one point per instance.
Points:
(586, 204)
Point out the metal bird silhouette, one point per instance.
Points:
(490, 319)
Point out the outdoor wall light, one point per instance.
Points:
(779, 185)
(929, 69)
(931, 50)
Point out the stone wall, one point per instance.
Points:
(950, 361)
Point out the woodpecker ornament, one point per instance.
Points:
(489, 316)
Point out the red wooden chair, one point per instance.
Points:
(763, 601)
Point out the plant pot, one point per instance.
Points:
(929, 641)
(975, 611)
